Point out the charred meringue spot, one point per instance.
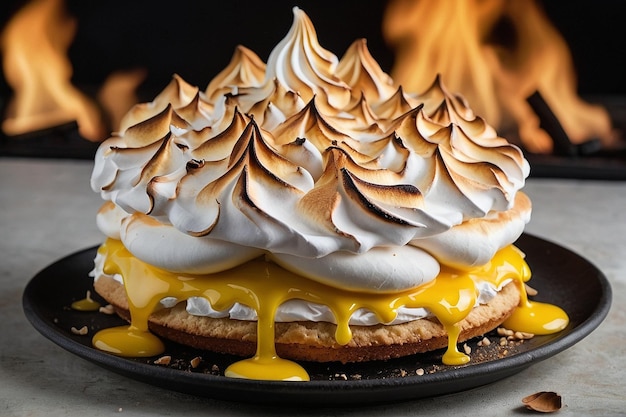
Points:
(193, 165)
(374, 196)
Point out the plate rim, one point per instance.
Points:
(335, 391)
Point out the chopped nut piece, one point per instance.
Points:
(530, 290)
(107, 309)
(163, 360)
(467, 349)
(402, 373)
(484, 342)
(523, 335)
(215, 369)
(504, 332)
(195, 362)
(82, 331)
(543, 402)
(419, 371)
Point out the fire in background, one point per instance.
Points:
(34, 46)
(496, 53)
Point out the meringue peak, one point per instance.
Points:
(309, 157)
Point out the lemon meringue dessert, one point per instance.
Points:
(309, 209)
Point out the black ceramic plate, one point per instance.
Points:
(561, 276)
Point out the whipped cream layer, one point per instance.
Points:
(322, 163)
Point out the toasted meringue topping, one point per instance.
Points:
(309, 158)
(302, 65)
(362, 73)
(245, 69)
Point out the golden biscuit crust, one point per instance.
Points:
(314, 341)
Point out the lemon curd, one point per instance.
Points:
(86, 304)
(263, 286)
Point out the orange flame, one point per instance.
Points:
(34, 46)
(454, 38)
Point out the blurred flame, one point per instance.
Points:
(34, 48)
(455, 38)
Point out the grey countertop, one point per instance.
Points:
(47, 211)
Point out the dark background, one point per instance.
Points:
(197, 38)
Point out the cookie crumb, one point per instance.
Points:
(523, 335)
(82, 331)
(195, 362)
(163, 360)
(107, 309)
(504, 332)
(484, 342)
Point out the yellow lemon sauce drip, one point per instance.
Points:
(263, 286)
(86, 304)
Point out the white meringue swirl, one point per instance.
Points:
(327, 165)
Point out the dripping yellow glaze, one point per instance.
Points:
(86, 304)
(264, 286)
(536, 317)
